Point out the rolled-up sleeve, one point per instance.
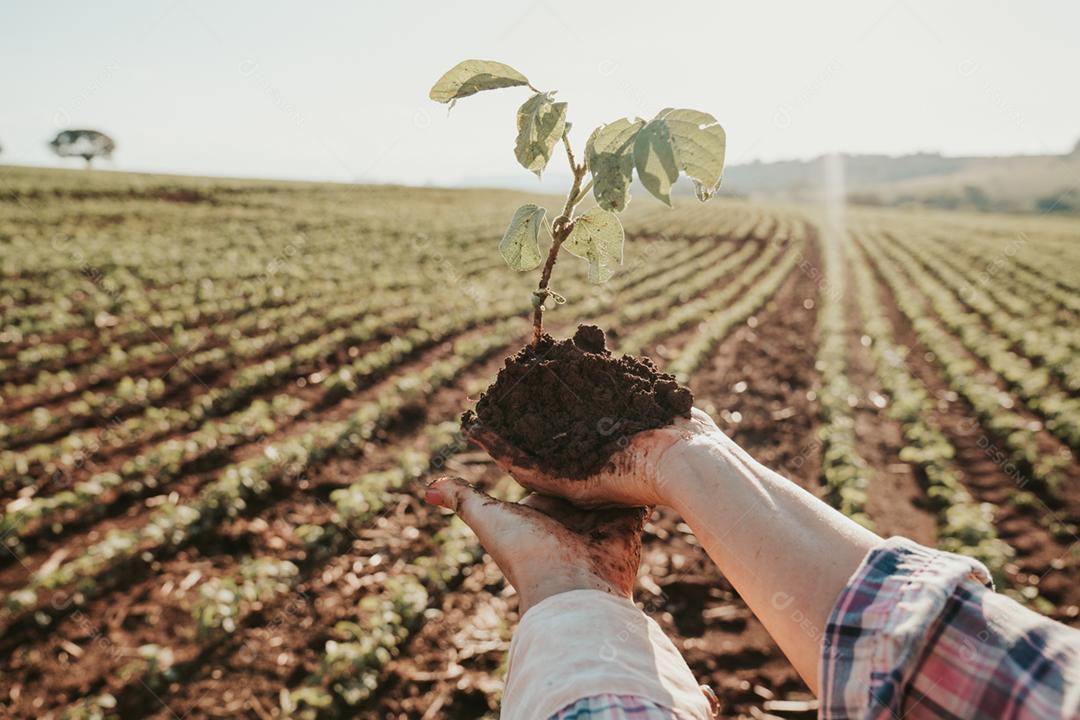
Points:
(573, 650)
(920, 633)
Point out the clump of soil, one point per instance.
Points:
(567, 405)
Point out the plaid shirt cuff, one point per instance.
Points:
(920, 633)
(613, 707)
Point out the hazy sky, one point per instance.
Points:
(338, 90)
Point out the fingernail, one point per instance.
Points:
(433, 497)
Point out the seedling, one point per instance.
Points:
(674, 141)
(571, 427)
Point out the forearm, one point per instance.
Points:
(787, 553)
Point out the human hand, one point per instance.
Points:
(546, 546)
(633, 476)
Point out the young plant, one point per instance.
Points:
(674, 141)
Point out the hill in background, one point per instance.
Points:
(1021, 183)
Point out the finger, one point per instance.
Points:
(471, 505)
(570, 516)
(624, 522)
(498, 525)
(586, 493)
(702, 417)
(547, 504)
(515, 462)
(698, 414)
(628, 521)
(486, 438)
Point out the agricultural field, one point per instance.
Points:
(220, 398)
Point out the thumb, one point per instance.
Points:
(496, 523)
(515, 462)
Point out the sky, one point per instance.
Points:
(338, 90)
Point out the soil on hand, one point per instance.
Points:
(566, 406)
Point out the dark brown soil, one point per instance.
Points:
(565, 406)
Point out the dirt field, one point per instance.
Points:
(220, 399)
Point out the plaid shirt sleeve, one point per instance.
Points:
(920, 633)
(613, 707)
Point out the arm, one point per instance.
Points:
(891, 624)
(895, 629)
(787, 553)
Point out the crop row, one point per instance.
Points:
(158, 421)
(996, 277)
(1036, 283)
(1038, 336)
(992, 406)
(682, 314)
(1054, 263)
(167, 345)
(752, 292)
(845, 474)
(32, 340)
(1031, 252)
(681, 269)
(152, 469)
(229, 249)
(117, 307)
(204, 360)
(173, 524)
(1032, 384)
(349, 667)
(708, 270)
(963, 525)
(146, 333)
(128, 396)
(347, 671)
(184, 305)
(1025, 256)
(693, 221)
(243, 384)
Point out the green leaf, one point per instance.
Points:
(700, 143)
(654, 157)
(597, 236)
(469, 77)
(609, 154)
(519, 246)
(540, 124)
(686, 140)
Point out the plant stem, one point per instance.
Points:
(584, 191)
(560, 230)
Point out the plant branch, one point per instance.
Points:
(584, 192)
(560, 230)
(574, 168)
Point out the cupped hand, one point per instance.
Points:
(633, 476)
(546, 546)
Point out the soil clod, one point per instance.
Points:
(567, 405)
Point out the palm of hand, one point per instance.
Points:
(631, 476)
(545, 545)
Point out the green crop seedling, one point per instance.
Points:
(676, 140)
